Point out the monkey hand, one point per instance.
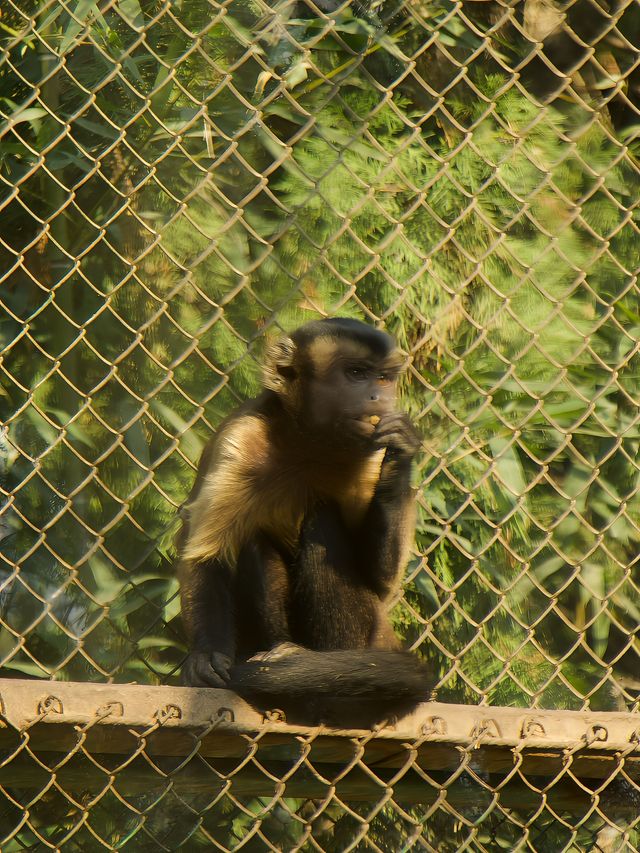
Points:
(206, 669)
(397, 434)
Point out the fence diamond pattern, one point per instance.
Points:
(180, 181)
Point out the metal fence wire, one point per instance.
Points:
(180, 181)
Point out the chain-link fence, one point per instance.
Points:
(179, 181)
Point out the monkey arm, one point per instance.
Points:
(206, 596)
(262, 594)
(387, 529)
(227, 505)
(222, 514)
(208, 615)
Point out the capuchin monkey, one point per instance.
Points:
(296, 534)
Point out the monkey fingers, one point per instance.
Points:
(362, 427)
(397, 433)
(206, 669)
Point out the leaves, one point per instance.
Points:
(494, 239)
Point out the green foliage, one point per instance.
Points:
(183, 195)
(494, 240)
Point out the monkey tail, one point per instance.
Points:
(373, 675)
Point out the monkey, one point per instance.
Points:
(297, 530)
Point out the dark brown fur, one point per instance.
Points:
(297, 531)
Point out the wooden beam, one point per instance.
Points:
(139, 737)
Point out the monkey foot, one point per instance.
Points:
(282, 650)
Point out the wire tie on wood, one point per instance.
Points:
(110, 709)
(531, 727)
(223, 715)
(595, 733)
(275, 715)
(169, 712)
(50, 705)
(433, 726)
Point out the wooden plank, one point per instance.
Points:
(169, 723)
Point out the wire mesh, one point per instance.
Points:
(181, 180)
(159, 769)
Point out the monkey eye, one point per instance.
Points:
(357, 373)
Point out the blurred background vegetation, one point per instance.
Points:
(181, 180)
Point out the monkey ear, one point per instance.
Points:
(278, 364)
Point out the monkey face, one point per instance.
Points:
(346, 398)
(337, 380)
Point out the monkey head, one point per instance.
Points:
(337, 378)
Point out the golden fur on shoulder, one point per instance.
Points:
(248, 490)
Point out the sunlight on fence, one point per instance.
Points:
(179, 181)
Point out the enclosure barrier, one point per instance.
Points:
(181, 755)
(181, 181)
